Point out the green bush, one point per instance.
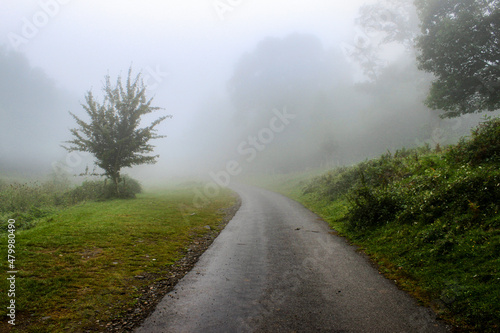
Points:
(432, 216)
(370, 208)
(333, 184)
(482, 147)
(129, 187)
(91, 190)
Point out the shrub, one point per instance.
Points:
(129, 187)
(333, 184)
(104, 190)
(431, 215)
(370, 208)
(482, 147)
(88, 190)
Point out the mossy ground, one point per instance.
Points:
(77, 266)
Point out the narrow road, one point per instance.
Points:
(277, 268)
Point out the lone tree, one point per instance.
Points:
(460, 45)
(113, 135)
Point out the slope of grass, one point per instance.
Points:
(429, 218)
(77, 268)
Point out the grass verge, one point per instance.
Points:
(429, 219)
(84, 266)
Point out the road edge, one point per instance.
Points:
(162, 284)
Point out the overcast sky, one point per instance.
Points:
(186, 50)
(79, 41)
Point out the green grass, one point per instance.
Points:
(78, 266)
(32, 201)
(430, 219)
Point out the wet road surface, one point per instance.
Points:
(276, 267)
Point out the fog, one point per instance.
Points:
(253, 86)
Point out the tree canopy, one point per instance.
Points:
(299, 74)
(460, 46)
(113, 135)
(379, 25)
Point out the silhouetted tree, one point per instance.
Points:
(25, 118)
(113, 135)
(298, 74)
(460, 46)
(379, 25)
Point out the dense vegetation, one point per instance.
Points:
(429, 217)
(459, 45)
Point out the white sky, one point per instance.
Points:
(78, 42)
(83, 39)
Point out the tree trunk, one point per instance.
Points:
(116, 180)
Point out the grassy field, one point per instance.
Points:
(429, 218)
(78, 267)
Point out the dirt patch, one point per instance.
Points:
(163, 283)
(88, 254)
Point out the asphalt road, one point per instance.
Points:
(276, 267)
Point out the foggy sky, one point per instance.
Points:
(190, 53)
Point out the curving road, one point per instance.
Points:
(277, 268)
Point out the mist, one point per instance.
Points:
(253, 87)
